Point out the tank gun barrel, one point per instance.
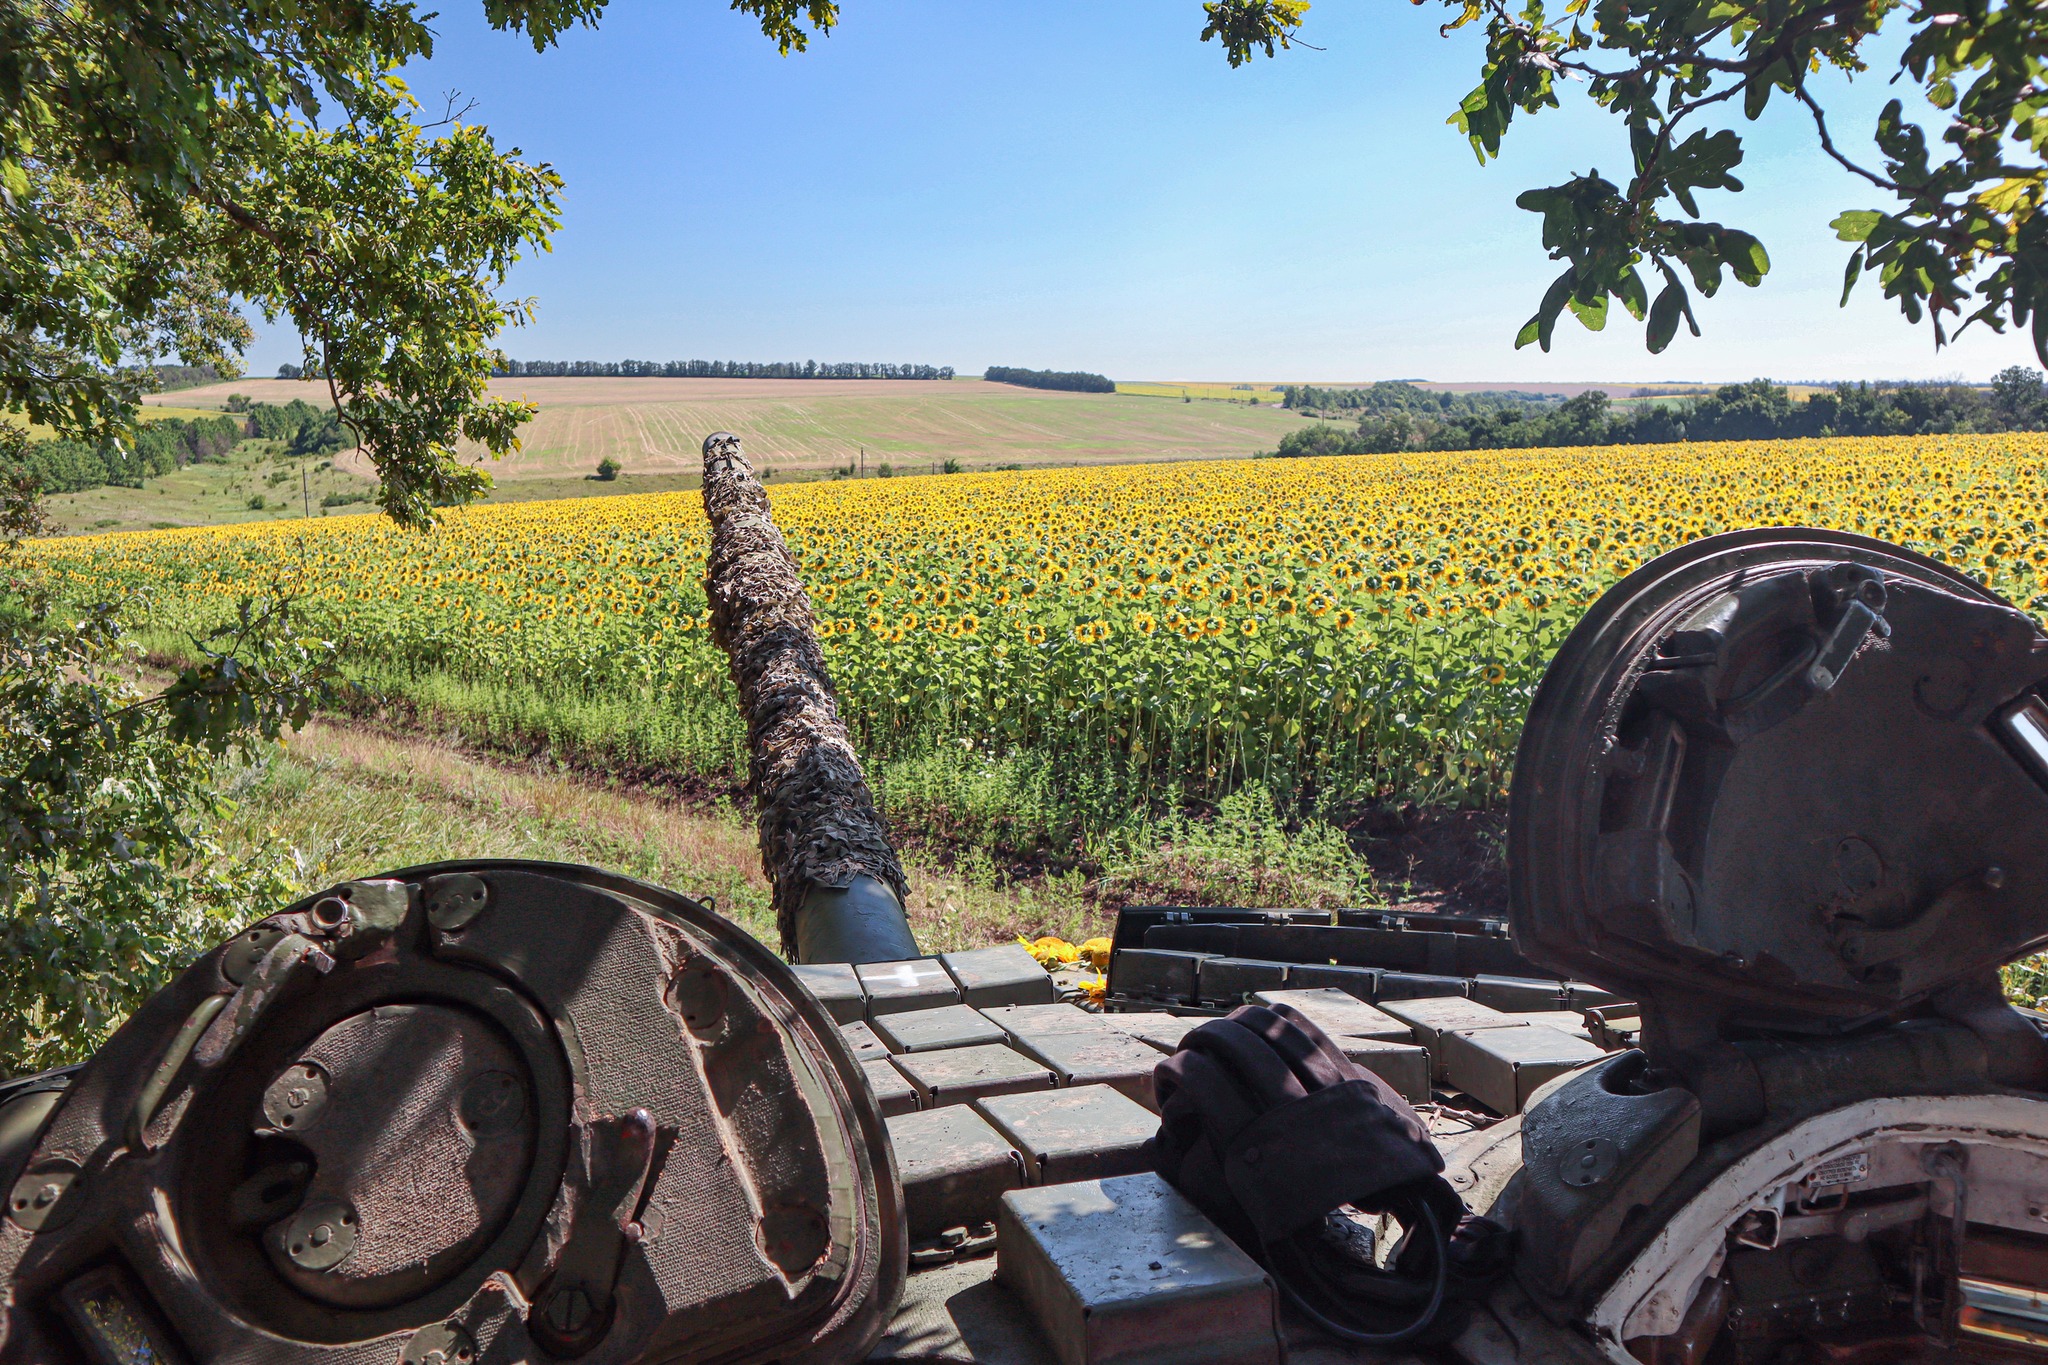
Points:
(839, 888)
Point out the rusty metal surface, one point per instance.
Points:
(913, 984)
(933, 1029)
(1102, 1058)
(1126, 1270)
(957, 1075)
(1084, 1132)
(1340, 1015)
(955, 1168)
(836, 986)
(660, 1141)
(1003, 975)
(1502, 1067)
(417, 1185)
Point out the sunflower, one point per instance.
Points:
(1144, 623)
(1494, 673)
(1248, 627)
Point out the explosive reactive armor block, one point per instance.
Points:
(1228, 980)
(1036, 1021)
(836, 986)
(1502, 1067)
(956, 1075)
(1156, 973)
(1003, 975)
(1401, 1065)
(930, 1030)
(1360, 982)
(1085, 1132)
(1432, 1017)
(1162, 1031)
(955, 1168)
(866, 1044)
(1418, 986)
(1518, 994)
(892, 1091)
(1123, 1271)
(1340, 1015)
(918, 984)
(1104, 1058)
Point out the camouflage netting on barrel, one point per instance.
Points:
(820, 831)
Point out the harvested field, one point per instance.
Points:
(657, 426)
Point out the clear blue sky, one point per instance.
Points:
(1085, 186)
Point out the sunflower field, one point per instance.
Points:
(1355, 629)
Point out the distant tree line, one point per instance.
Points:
(184, 376)
(1397, 396)
(714, 369)
(60, 466)
(1418, 419)
(1079, 381)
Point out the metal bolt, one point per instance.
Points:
(1994, 877)
(492, 1102)
(569, 1310)
(440, 1343)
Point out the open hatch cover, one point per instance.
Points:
(1787, 779)
(469, 1112)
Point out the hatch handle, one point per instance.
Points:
(167, 1069)
(1862, 948)
(574, 1313)
(1807, 675)
(1858, 620)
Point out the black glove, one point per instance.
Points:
(1271, 1131)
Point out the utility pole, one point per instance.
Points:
(305, 491)
(863, 462)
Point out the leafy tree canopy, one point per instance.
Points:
(1957, 237)
(159, 161)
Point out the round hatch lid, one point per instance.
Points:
(1794, 778)
(471, 1111)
